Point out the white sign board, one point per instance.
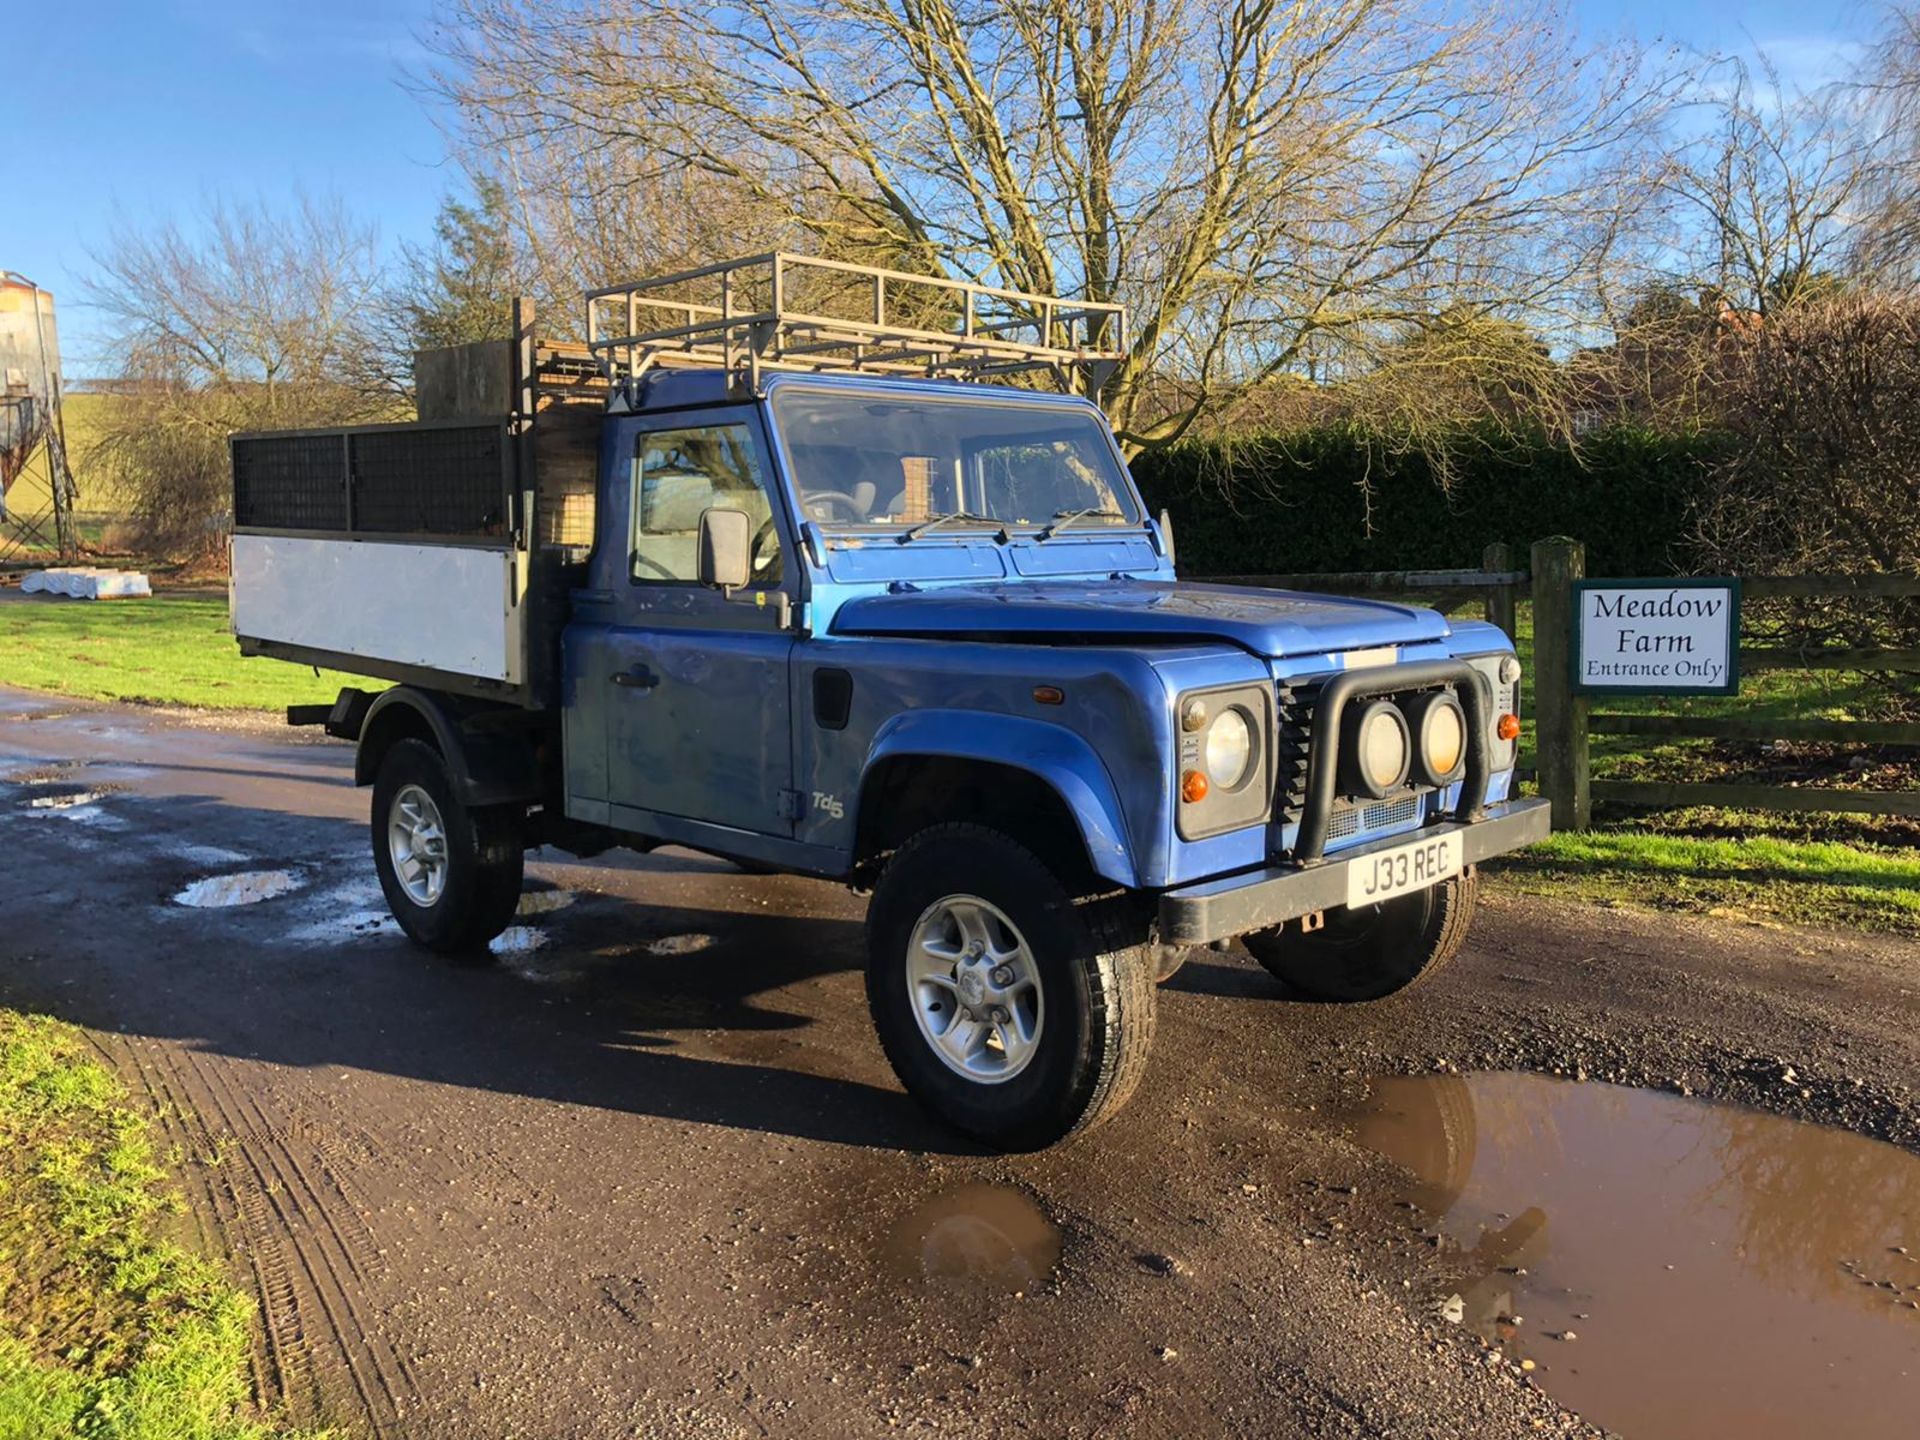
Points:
(1657, 637)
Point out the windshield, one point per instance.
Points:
(864, 459)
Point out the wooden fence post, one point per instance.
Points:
(1559, 716)
(1498, 558)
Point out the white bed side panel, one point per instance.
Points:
(445, 607)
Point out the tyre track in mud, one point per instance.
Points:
(282, 1369)
(313, 1271)
(271, 1217)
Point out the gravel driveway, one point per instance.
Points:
(650, 1175)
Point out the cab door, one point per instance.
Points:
(698, 715)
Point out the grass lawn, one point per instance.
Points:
(106, 1329)
(1757, 876)
(1834, 869)
(170, 650)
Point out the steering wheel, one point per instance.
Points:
(833, 499)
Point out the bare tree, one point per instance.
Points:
(1765, 192)
(244, 319)
(1887, 236)
(1823, 478)
(1272, 188)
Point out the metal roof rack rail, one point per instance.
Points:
(782, 312)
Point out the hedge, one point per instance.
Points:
(1338, 497)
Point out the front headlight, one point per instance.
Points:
(1229, 749)
(1223, 749)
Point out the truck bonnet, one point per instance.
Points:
(1274, 624)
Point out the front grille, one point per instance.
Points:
(1349, 820)
(1293, 729)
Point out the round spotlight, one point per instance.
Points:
(1509, 669)
(1441, 724)
(1377, 749)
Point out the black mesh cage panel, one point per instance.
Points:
(438, 480)
(430, 482)
(290, 482)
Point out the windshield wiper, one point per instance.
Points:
(1063, 518)
(954, 517)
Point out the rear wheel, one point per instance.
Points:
(1015, 1011)
(1373, 951)
(451, 874)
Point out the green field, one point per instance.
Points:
(106, 1329)
(98, 504)
(170, 650)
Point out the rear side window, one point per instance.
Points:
(678, 474)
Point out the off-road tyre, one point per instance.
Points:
(1096, 973)
(1375, 952)
(484, 859)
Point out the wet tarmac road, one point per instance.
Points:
(650, 1175)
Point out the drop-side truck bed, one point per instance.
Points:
(840, 571)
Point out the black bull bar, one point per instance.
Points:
(1323, 763)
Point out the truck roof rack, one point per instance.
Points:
(786, 312)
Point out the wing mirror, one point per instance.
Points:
(726, 549)
(1166, 536)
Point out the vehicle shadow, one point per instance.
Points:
(603, 1015)
(1239, 979)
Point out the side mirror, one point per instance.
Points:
(726, 546)
(1166, 536)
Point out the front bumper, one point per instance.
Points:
(1221, 909)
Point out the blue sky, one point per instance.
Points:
(149, 105)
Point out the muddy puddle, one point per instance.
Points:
(250, 887)
(1673, 1270)
(51, 799)
(68, 800)
(518, 940)
(976, 1239)
(670, 945)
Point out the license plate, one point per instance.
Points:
(1403, 869)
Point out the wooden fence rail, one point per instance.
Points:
(1496, 580)
(1563, 720)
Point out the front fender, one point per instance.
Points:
(1053, 753)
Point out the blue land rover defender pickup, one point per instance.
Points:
(827, 570)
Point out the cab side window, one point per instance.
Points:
(677, 474)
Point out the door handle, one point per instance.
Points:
(638, 678)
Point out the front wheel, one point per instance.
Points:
(1373, 951)
(1015, 1011)
(451, 874)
